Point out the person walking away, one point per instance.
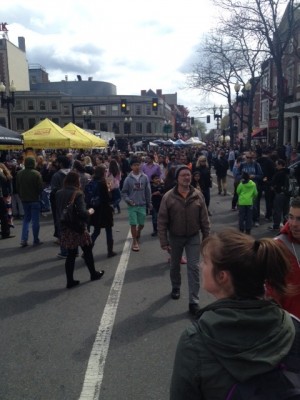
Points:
(247, 193)
(289, 237)
(103, 215)
(64, 165)
(136, 193)
(5, 182)
(268, 168)
(218, 352)
(256, 175)
(236, 181)
(71, 238)
(29, 185)
(221, 167)
(280, 187)
(202, 167)
(157, 191)
(113, 178)
(181, 216)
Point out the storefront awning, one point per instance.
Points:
(259, 132)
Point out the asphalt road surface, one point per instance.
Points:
(110, 339)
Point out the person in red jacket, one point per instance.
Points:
(290, 237)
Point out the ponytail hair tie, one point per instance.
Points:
(256, 245)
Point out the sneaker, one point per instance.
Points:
(194, 308)
(256, 224)
(24, 243)
(233, 209)
(7, 236)
(175, 294)
(154, 233)
(183, 260)
(59, 255)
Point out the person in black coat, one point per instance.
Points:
(71, 238)
(103, 216)
(221, 166)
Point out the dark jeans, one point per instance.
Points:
(245, 218)
(97, 231)
(154, 215)
(206, 194)
(269, 197)
(280, 208)
(5, 230)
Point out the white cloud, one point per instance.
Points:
(133, 44)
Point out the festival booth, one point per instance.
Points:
(92, 140)
(10, 140)
(47, 135)
(195, 141)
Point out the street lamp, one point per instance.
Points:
(218, 117)
(7, 100)
(167, 128)
(243, 98)
(87, 117)
(127, 123)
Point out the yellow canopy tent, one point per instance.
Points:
(93, 141)
(47, 135)
(98, 141)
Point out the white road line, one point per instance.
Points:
(95, 369)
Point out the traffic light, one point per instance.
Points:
(208, 119)
(123, 105)
(154, 104)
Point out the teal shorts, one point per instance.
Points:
(137, 215)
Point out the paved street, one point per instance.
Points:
(110, 339)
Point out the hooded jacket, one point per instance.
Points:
(29, 182)
(137, 191)
(290, 303)
(247, 192)
(227, 345)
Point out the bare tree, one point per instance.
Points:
(263, 18)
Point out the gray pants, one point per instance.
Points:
(192, 250)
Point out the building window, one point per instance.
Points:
(20, 124)
(30, 105)
(298, 74)
(114, 110)
(264, 111)
(66, 110)
(138, 110)
(139, 127)
(148, 128)
(102, 110)
(53, 105)
(116, 127)
(31, 122)
(148, 109)
(55, 120)
(103, 127)
(18, 105)
(42, 105)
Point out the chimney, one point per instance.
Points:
(143, 92)
(159, 92)
(21, 41)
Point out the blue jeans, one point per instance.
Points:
(31, 214)
(245, 218)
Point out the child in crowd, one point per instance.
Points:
(247, 192)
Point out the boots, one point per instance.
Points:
(110, 252)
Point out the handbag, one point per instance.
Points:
(70, 217)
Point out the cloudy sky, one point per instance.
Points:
(133, 44)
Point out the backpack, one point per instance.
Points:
(282, 383)
(278, 384)
(91, 194)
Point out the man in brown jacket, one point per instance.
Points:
(182, 215)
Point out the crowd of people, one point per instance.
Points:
(253, 326)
